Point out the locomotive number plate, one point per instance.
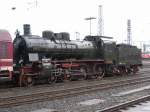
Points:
(33, 57)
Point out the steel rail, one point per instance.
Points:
(4, 86)
(125, 105)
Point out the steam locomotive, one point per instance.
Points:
(55, 57)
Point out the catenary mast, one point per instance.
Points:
(100, 21)
(129, 40)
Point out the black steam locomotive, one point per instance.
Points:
(54, 56)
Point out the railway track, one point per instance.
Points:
(126, 105)
(68, 92)
(8, 85)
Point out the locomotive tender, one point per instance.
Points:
(54, 56)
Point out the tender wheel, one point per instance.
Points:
(135, 70)
(71, 78)
(51, 79)
(123, 71)
(99, 72)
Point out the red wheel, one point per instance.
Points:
(28, 80)
(83, 70)
(99, 71)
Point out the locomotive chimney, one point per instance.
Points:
(27, 30)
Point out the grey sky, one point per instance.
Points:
(68, 16)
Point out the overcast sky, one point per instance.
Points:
(68, 16)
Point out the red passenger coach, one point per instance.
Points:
(6, 55)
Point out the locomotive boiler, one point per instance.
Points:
(56, 46)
